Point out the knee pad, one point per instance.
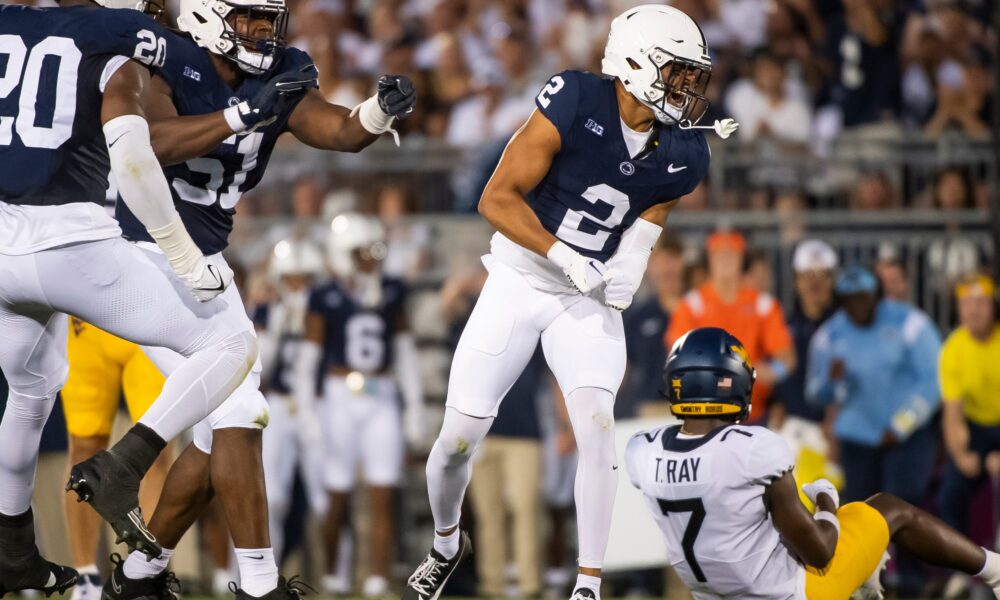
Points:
(245, 408)
(244, 346)
(591, 411)
(460, 436)
(28, 408)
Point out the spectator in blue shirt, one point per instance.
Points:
(875, 361)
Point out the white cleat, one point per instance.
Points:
(872, 588)
(375, 586)
(88, 587)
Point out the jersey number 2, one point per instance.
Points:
(32, 134)
(597, 195)
(697, 509)
(555, 84)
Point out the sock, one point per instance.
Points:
(137, 567)
(258, 571)
(20, 434)
(90, 569)
(991, 570)
(448, 466)
(139, 448)
(590, 582)
(591, 412)
(17, 538)
(447, 545)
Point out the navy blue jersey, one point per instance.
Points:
(594, 189)
(359, 338)
(52, 147)
(206, 189)
(279, 376)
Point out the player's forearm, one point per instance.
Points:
(510, 214)
(345, 134)
(177, 139)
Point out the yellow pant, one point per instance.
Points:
(101, 367)
(864, 536)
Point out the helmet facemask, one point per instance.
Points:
(252, 54)
(677, 95)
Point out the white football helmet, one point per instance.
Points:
(356, 246)
(206, 21)
(296, 257)
(661, 57)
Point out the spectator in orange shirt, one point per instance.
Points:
(754, 317)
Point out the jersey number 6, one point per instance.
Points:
(697, 509)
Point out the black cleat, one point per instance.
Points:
(21, 565)
(428, 580)
(36, 573)
(288, 589)
(119, 587)
(112, 489)
(583, 593)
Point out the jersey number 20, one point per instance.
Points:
(697, 509)
(63, 112)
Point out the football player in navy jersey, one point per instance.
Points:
(359, 344)
(229, 60)
(72, 105)
(580, 196)
(291, 439)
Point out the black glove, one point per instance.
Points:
(279, 94)
(396, 95)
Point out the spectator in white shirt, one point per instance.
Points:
(764, 106)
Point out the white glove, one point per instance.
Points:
(209, 278)
(586, 274)
(821, 486)
(415, 425)
(622, 279)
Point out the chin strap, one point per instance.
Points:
(723, 128)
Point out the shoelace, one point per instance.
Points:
(297, 588)
(424, 579)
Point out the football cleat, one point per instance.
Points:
(583, 593)
(288, 589)
(428, 580)
(112, 489)
(119, 587)
(35, 573)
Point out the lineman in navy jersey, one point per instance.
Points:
(67, 70)
(725, 499)
(579, 198)
(358, 342)
(206, 123)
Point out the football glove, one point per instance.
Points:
(585, 274)
(396, 95)
(209, 278)
(279, 94)
(622, 279)
(821, 486)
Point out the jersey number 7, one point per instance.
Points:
(697, 509)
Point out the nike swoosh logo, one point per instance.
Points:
(114, 584)
(671, 169)
(116, 139)
(218, 288)
(258, 557)
(614, 468)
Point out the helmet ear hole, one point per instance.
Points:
(635, 66)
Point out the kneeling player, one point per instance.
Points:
(725, 499)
